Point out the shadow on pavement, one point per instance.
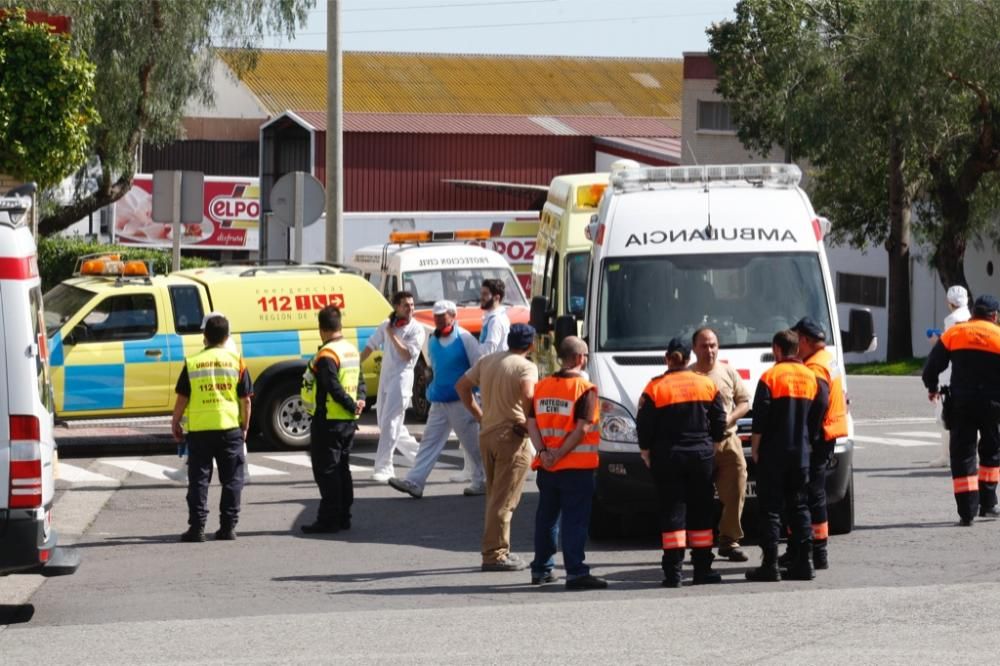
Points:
(16, 613)
(907, 526)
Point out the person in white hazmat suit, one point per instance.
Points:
(958, 304)
(452, 352)
(400, 338)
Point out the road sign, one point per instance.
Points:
(178, 198)
(297, 200)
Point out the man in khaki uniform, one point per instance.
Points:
(506, 381)
(730, 464)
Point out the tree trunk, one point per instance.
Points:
(900, 342)
(949, 259)
(67, 215)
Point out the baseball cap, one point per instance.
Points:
(209, 316)
(986, 304)
(679, 345)
(809, 328)
(442, 307)
(520, 336)
(958, 296)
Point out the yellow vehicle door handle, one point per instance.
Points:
(154, 352)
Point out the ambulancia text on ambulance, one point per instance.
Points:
(118, 335)
(738, 248)
(27, 446)
(434, 266)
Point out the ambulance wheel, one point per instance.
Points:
(284, 419)
(841, 514)
(420, 406)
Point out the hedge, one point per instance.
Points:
(57, 257)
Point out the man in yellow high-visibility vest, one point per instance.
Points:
(333, 391)
(214, 391)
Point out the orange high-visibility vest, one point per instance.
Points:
(973, 335)
(555, 399)
(835, 419)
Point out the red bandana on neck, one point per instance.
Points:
(444, 332)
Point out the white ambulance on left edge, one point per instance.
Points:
(27, 445)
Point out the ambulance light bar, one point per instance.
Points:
(13, 209)
(438, 236)
(111, 265)
(589, 196)
(774, 175)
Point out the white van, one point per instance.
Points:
(27, 446)
(738, 248)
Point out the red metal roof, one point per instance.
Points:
(666, 149)
(451, 123)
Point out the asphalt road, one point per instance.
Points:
(906, 586)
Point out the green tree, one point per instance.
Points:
(152, 56)
(886, 101)
(46, 102)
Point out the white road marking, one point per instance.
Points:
(259, 470)
(926, 434)
(889, 441)
(303, 460)
(74, 474)
(141, 467)
(895, 421)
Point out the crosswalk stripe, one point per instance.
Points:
(926, 434)
(260, 470)
(303, 460)
(141, 467)
(890, 441)
(74, 474)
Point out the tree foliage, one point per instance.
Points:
(152, 57)
(891, 104)
(46, 102)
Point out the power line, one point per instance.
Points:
(486, 26)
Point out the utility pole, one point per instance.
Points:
(334, 136)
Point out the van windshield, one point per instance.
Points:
(460, 285)
(62, 302)
(746, 298)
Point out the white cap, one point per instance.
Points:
(958, 296)
(444, 306)
(209, 316)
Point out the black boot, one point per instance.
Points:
(703, 572)
(820, 560)
(802, 567)
(767, 572)
(786, 560)
(672, 561)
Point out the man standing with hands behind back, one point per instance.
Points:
(214, 390)
(730, 463)
(333, 391)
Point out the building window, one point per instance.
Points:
(861, 289)
(715, 116)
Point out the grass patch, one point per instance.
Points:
(904, 368)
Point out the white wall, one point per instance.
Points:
(232, 98)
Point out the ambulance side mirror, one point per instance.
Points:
(860, 335)
(565, 327)
(541, 316)
(77, 335)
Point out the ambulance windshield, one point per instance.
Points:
(460, 285)
(61, 303)
(746, 298)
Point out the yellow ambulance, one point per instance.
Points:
(562, 262)
(118, 335)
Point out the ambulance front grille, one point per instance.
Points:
(639, 360)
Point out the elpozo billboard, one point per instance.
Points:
(230, 220)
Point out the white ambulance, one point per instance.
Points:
(434, 266)
(27, 446)
(738, 248)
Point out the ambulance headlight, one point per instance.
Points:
(617, 425)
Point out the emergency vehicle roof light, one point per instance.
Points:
(13, 209)
(111, 265)
(438, 236)
(773, 175)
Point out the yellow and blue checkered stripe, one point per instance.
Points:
(125, 377)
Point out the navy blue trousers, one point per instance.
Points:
(225, 447)
(564, 501)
